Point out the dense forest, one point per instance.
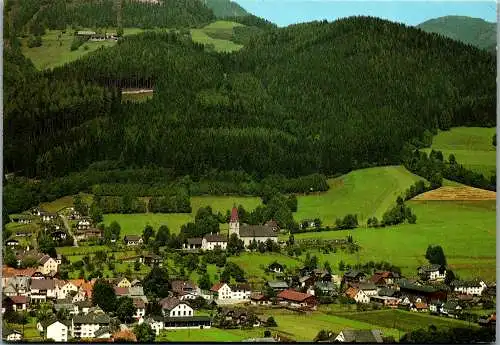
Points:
(310, 98)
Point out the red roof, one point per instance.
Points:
(234, 214)
(19, 299)
(293, 295)
(257, 297)
(493, 317)
(217, 287)
(121, 291)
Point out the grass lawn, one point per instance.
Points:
(81, 250)
(405, 320)
(224, 203)
(366, 192)
(472, 147)
(304, 327)
(220, 45)
(465, 230)
(65, 201)
(133, 224)
(137, 97)
(251, 263)
(209, 335)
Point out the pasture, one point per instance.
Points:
(405, 321)
(133, 224)
(465, 230)
(209, 335)
(366, 192)
(64, 202)
(224, 203)
(463, 193)
(252, 263)
(472, 147)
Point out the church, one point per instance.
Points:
(248, 233)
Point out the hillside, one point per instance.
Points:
(475, 31)
(317, 97)
(225, 8)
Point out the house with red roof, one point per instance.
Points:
(296, 299)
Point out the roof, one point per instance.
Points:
(304, 279)
(272, 223)
(293, 295)
(362, 336)
(367, 286)
(257, 297)
(53, 320)
(101, 331)
(195, 240)
(386, 292)
(121, 291)
(19, 299)
(180, 285)
(469, 283)
(353, 274)
(245, 287)
(430, 268)
(351, 292)
(216, 287)
(215, 238)
(44, 259)
(84, 304)
(257, 231)
(139, 303)
(278, 284)
(403, 284)
(13, 272)
(42, 284)
(420, 305)
(234, 214)
(91, 318)
(169, 303)
(132, 238)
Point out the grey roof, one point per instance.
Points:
(367, 286)
(278, 284)
(136, 291)
(353, 274)
(304, 278)
(195, 240)
(185, 318)
(241, 286)
(66, 303)
(132, 238)
(386, 292)
(92, 318)
(169, 303)
(215, 238)
(53, 320)
(9, 288)
(84, 304)
(42, 284)
(362, 336)
(470, 283)
(257, 231)
(101, 331)
(325, 286)
(430, 268)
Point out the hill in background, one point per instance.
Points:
(225, 8)
(475, 31)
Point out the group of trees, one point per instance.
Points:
(449, 336)
(398, 214)
(350, 221)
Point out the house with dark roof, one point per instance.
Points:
(259, 299)
(249, 233)
(276, 267)
(432, 272)
(472, 287)
(11, 335)
(212, 241)
(224, 293)
(451, 309)
(174, 307)
(85, 325)
(278, 285)
(67, 304)
(296, 299)
(42, 289)
(140, 308)
(354, 276)
(22, 219)
(384, 278)
(185, 289)
(19, 302)
(359, 336)
(133, 240)
(193, 243)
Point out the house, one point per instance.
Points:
(158, 323)
(22, 219)
(140, 308)
(12, 335)
(123, 283)
(306, 281)
(231, 293)
(65, 289)
(273, 225)
(133, 240)
(250, 233)
(358, 295)
(42, 289)
(451, 308)
(19, 302)
(327, 289)
(259, 299)
(384, 278)
(85, 34)
(277, 285)
(55, 329)
(210, 242)
(297, 299)
(83, 224)
(173, 307)
(419, 307)
(12, 242)
(276, 267)
(47, 265)
(432, 272)
(193, 243)
(359, 336)
(368, 288)
(354, 276)
(307, 223)
(83, 307)
(47, 217)
(58, 235)
(150, 260)
(85, 325)
(435, 306)
(185, 289)
(386, 301)
(66, 304)
(427, 292)
(473, 288)
(91, 233)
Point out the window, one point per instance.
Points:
(184, 313)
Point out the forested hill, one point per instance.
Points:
(317, 97)
(475, 31)
(225, 8)
(31, 16)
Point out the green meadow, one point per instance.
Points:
(366, 192)
(209, 335)
(465, 230)
(133, 224)
(472, 147)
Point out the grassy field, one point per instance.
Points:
(472, 147)
(224, 203)
(209, 335)
(65, 201)
(251, 263)
(82, 250)
(218, 34)
(133, 224)
(404, 320)
(465, 230)
(367, 192)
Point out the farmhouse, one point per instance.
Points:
(276, 267)
(297, 299)
(359, 336)
(132, 240)
(83, 224)
(354, 276)
(249, 233)
(210, 242)
(225, 293)
(18, 302)
(41, 289)
(358, 295)
(47, 217)
(259, 299)
(384, 278)
(158, 323)
(173, 307)
(47, 265)
(11, 335)
(140, 308)
(451, 308)
(474, 287)
(12, 242)
(185, 289)
(391, 302)
(22, 219)
(419, 307)
(193, 243)
(429, 293)
(432, 272)
(277, 285)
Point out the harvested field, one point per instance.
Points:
(462, 193)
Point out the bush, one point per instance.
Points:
(35, 41)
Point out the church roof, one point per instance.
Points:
(234, 214)
(257, 231)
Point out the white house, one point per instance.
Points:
(133, 240)
(210, 242)
(231, 294)
(85, 325)
(47, 265)
(368, 288)
(474, 288)
(12, 335)
(156, 324)
(63, 291)
(359, 336)
(432, 272)
(57, 331)
(358, 295)
(42, 289)
(173, 307)
(249, 233)
(140, 306)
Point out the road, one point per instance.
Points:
(68, 227)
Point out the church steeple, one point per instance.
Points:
(234, 222)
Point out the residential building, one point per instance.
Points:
(259, 299)
(193, 243)
(359, 336)
(358, 295)
(276, 267)
(19, 302)
(277, 285)
(474, 287)
(451, 308)
(85, 325)
(59, 331)
(432, 272)
(11, 335)
(297, 299)
(354, 276)
(185, 290)
(231, 293)
(210, 242)
(42, 289)
(140, 308)
(419, 307)
(133, 240)
(47, 265)
(173, 307)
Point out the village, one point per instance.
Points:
(66, 308)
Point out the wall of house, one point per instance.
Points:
(58, 332)
(211, 245)
(181, 310)
(248, 240)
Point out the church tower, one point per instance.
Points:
(234, 222)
